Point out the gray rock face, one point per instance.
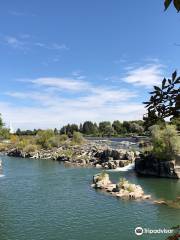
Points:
(153, 167)
(89, 154)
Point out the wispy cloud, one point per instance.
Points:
(147, 75)
(62, 100)
(25, 41)
(15, 43)
(61, 83)
(51, 46)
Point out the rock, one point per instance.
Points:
(130, 155)
(123, 189)
(160, 202)
(123, 163)
(147, 197)
(101, 180)
(150, 166)
(98, 166)
(112, 165)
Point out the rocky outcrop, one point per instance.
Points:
(123, 189)
(150, 166)
(89, 154)
(171, 203)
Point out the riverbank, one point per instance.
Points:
(101, 153)
(90, 153)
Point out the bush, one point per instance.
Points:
(63, 138)
(43, 138)
(122, 181)
(30, 148)
(77, 138)
(14, 139)
(5, 133)
(21, 144)
(165, 141)
(3, 147)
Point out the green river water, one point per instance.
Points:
(43, 200)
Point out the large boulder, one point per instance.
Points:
(150, 166)
(101, 180)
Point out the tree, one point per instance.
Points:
(165, 141)
(56, 131)
(5, 133)
(136, 128)
(127, 126)
(1, 122)
(175, 2)
(118, 127)
(106, 129)
(89, 128)
(69, 129)
(164, 101)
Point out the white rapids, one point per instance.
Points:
(123, 169)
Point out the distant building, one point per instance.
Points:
(11, 128)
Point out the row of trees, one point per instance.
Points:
(105, 128)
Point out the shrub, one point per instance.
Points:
(21, 144)
(102, 175)
(5, 133)
(63, 138)
(165, 141)
(77, 138)
(14, 139)
(122, 181)
(29, 148)
(3, 147)
(43, 138)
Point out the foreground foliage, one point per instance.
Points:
(165, 141)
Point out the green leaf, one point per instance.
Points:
(163, 83)
(169, 81)
(177, 80)
(167, 3)
(157, 88)
(177, 5)
(174, 74)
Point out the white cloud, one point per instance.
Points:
(51, 46)
(147, 75)
(25, 41)
(51, 107)
(14, 42)
(61, 83)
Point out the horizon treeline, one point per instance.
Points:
(104, 128)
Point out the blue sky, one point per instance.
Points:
(70, 61)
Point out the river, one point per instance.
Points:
(43, 200)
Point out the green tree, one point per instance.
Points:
(69, 129)
(89, 128)
(106, 128)
(1, 122)
(165, 141)
(5, 133)
(175, 2)
(118, 127)
(56, 132)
